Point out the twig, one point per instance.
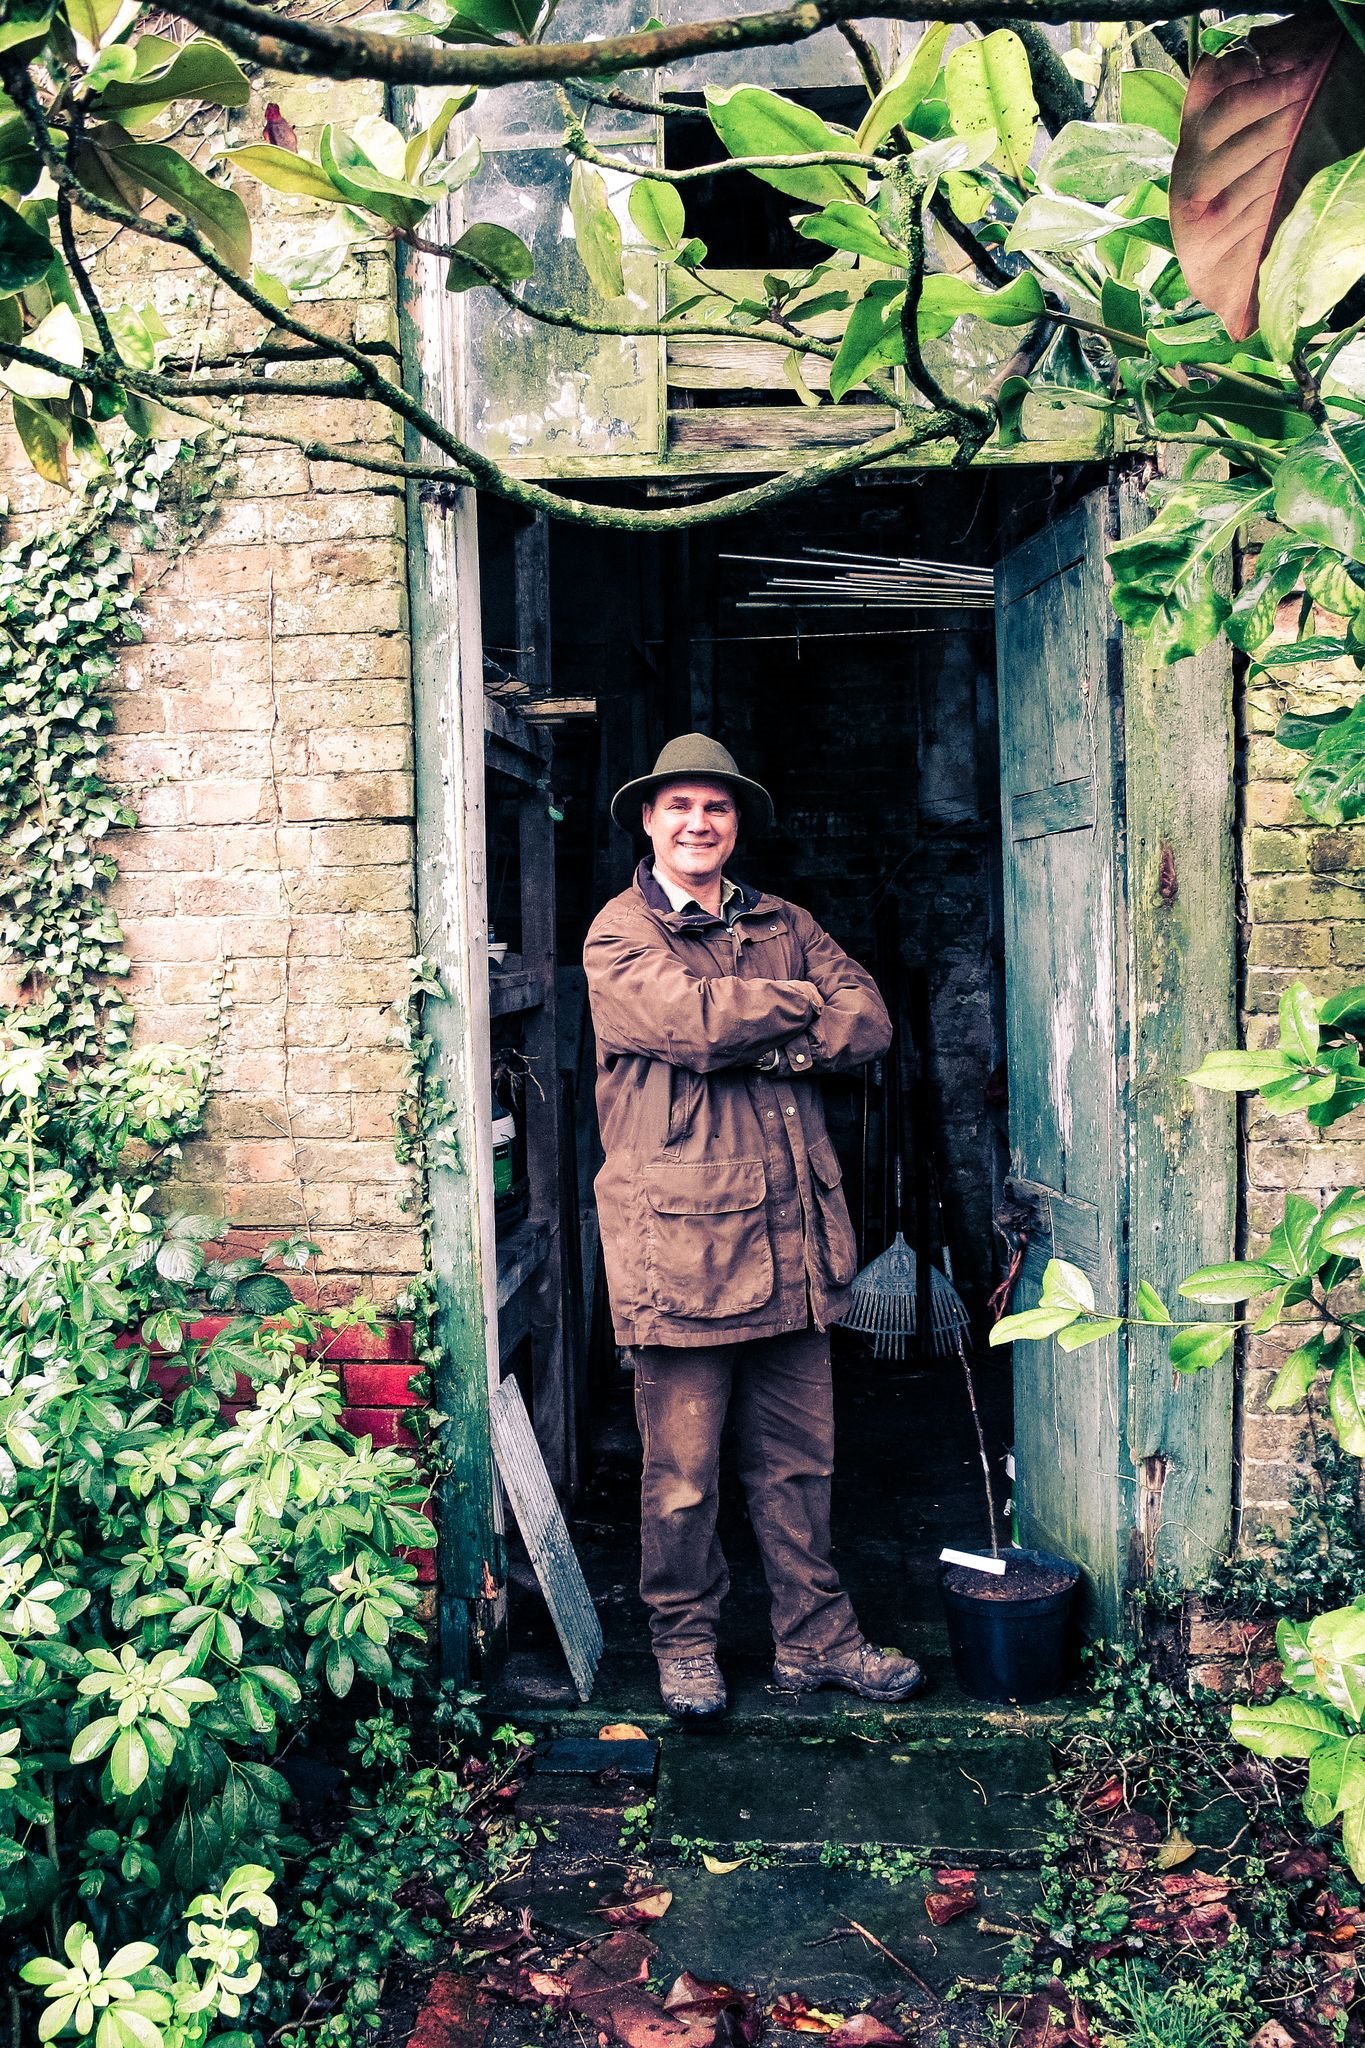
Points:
(899, 1961)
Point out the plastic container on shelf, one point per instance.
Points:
(504, 1138)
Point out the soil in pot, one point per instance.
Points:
(1010, 1633)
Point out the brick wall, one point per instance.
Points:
(263, 734)
(1304, 921)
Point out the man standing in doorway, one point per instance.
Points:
(725, 1232)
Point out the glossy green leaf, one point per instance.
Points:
(216, 212)
(423, 147)
(20, 163)
(909, 84)
(1152, 99)
(1346, 1401)
(264, 1294)
(1164, 577)
(1299, 1032)
(945, 299)
(361, 181)
(1195, 1349)
(25, 23)
(657, 211)
(1285, 1728)
(1066, 1286)
(1317, 255)
(988, 85)
(753, 122)
(24, 253)
(1331, 787)
(130, 1762)
(1031, 1324)
(846, 225)
(1150, 1307)
(284, 171)
(45, 439)
(1102, 160)
(1089, 1330)
(597, 231)
(872, 339)
(1320, 489)
(59, 336)
(201, 70)
(1235, 1282)
(1295, 1376)
(496, 249)
(1049, 225)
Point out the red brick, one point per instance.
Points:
(379, 1386)
(381, 1424)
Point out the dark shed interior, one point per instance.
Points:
(875, 730)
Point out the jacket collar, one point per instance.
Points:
(695, 919)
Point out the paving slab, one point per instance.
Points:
(977, 1803)
(789, 1929)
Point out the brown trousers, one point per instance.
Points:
(784, 1416)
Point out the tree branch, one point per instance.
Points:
(1059, 96)
(281, 43)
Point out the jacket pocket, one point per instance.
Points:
(832, 1231)
(707, 1252)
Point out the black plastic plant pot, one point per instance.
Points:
(1011, 1636)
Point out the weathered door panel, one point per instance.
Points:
(1115, 797)
(1066, 1033)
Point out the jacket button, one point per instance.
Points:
(770, 1114)
(791, 1112)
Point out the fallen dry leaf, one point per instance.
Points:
(550, 1985)
(955, 1880)
(277, 130)
(791, 2012)
(632, 1908)
(718, 1868)
(945, 1906)
(864, 2030)
(621, 1731)
(1106, 1797)
(1176, 1848)
(694, 1994)
(1051, 2018)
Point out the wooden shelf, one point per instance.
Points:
(512, 995)
(511, 747)
(520, 1255)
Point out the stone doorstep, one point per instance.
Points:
(978, 1803)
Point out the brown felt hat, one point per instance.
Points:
(693, 756)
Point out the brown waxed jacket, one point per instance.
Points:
(720, 1204)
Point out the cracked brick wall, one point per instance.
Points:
(263, 735)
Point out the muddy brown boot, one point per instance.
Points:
(692, 1687)
(870, 1673)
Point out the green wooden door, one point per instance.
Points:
(1119, 965)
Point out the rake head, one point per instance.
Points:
(884, 1298)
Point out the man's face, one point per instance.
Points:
(692, 827)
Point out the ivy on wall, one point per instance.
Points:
(67, 609)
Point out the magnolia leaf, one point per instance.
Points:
(720, 1868)
(945, 299)
(846, 225)
(24, 22)
(796, 377)
(1152, 99)
(1046, 223)
(58, 335)
(1299, 1034)
(216, 212)
(283, 171)
(496, 248)
(20, 163)
(360, 180)
(1259, 122)
(202, 70)
(753, 122)
(1320, 489)
(1103, 160)
(1316, 257)
(45, 439)
(872, 339)
(909, 84)
(422, 148)
(657, 211)
(25, 255)
(1163, 578)
(1331, 787)
(988, 85)
(597, 231)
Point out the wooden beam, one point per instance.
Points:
(447, 655)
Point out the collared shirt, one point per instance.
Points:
(731, 896)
